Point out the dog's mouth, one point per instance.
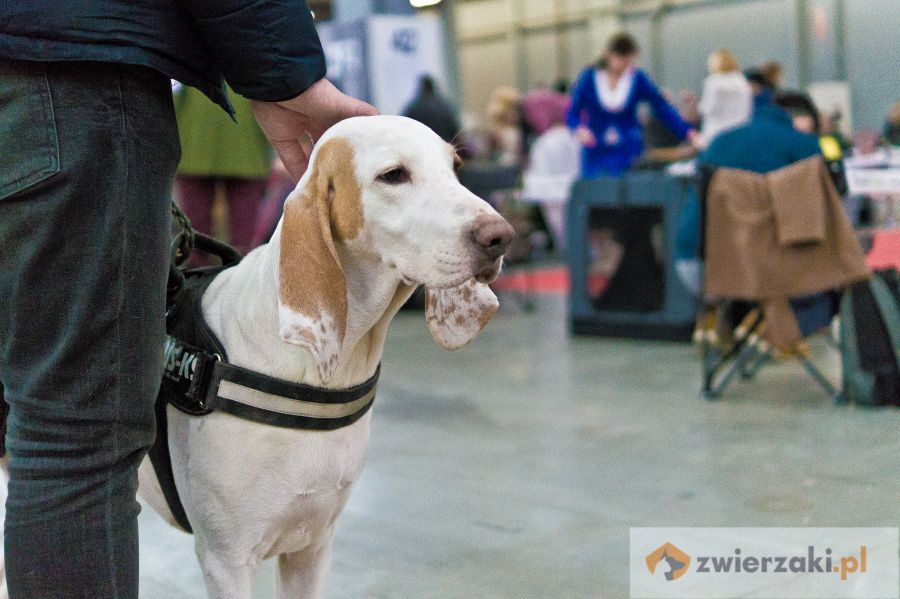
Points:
(486, 275)
(489, 274)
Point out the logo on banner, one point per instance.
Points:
(788, 563)
(405, 40)
(677, 561)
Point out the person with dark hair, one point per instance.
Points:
(430, 109)
(773, 73)
(604, 110)
(89, 147)
(759, 86)
(804, 115)
(807, 119)
(892, 125)
(768, 142)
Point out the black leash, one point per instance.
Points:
(184, 242)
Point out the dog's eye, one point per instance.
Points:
(395, 176)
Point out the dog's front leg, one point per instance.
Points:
(227, 579)
(302, 574)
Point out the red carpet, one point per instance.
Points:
(885, 252)
(545, 280)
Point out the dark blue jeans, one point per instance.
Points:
(87, 158)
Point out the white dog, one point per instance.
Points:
(379, 212)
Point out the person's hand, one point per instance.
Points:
(697, 140)
(278, 169)
(585, 136)
(293, 126)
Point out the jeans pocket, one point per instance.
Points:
(29, 147)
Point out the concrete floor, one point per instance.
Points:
(515, 467)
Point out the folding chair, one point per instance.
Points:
(731, 331)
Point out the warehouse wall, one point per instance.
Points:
(873, 58)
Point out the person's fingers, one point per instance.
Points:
(294, 157)
(344, 106)
(307, 141)
(293, 126)
(354, 107)
(325, 104)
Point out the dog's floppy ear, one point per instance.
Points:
(312, 290)
(456, 315)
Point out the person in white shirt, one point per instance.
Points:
(553, 165)
(727, 99)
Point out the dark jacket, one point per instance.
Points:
(433, 111)
(267, 49)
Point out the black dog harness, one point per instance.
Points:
(199, 380)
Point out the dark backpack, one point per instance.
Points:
(870, 340)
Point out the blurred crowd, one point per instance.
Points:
(612, 118)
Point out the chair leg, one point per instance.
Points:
(826, 385)
(710, 358)
(752, 368)
(748, 353)
(743, 350)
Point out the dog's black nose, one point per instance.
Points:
(492, 234)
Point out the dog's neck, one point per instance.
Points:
(241, 307)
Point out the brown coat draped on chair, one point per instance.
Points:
(775, 236)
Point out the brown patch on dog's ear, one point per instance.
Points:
(455, 316)
(312, 290)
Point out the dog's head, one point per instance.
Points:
(386, 186)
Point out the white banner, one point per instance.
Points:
(402, 49)
(808, 563)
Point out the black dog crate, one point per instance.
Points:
(621, 233)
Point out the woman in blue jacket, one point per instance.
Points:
(604, 107)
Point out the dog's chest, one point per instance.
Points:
(281, 489)
(302, 491)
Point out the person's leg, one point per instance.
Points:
(244, 199)
(196, 196)
(82, 294)
(690, 274)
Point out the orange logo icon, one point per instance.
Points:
(677, 560)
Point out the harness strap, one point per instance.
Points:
(254, 396)
(202, 382)
(161, 459)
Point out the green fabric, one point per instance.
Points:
(214, 145)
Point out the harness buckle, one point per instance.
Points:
(202, 401)
(201, 379)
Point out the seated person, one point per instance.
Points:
(768, 142)
(807, 119)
